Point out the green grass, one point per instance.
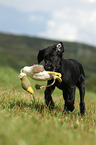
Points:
(25, 121)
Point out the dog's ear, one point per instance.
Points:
(40, 56)
(59, 48)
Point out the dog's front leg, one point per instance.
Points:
(69, 97)
(48, 98)
(65, 96)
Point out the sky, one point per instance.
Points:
(64, 20)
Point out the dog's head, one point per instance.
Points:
(52, 56)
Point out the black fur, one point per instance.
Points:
(72, 76)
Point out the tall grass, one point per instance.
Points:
(28, 121)
(25, 121)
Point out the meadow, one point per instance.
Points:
(27, 121)
(24, 119)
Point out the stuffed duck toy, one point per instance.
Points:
(37, 72)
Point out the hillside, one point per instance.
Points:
(18, 51)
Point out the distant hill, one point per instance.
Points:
(18, 51)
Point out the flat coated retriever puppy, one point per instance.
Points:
(72, 76)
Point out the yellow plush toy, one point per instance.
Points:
(37, 72)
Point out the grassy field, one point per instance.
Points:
(25, 121)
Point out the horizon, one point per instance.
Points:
(41, 37)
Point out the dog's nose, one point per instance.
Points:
(48, 68)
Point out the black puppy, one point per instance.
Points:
(72, 76)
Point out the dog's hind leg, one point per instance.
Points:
(48, 98)
(81, 86)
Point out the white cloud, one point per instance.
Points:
(73, 25)
(43, 5)
(93, 17)
(51, 23)
(36, 18)
(91, 1)
(21, 5)
(73, 20)
(60, 31)
(31, 5)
